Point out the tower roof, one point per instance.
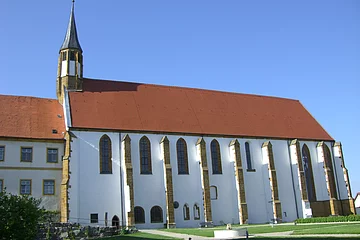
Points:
(71, 39)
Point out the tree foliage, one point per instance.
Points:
(19, 216)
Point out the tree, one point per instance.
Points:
(19, 216)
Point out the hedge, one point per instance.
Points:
(350, 218)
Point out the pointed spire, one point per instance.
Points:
(71, 39)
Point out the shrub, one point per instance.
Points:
(50, 216)
(349, 218)
(19, 216)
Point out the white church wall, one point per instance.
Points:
(149, 189)
(12, 170)
(324, 191)
(225, 207)
(90, 191)
(339, 173)
(187, 188)
(257, 187)
(318, 171)
(296, 180)
(285, 180)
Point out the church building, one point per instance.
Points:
(148, 156)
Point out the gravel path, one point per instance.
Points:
(174, 235)
(274, 234)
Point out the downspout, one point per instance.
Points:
(336, 176)
(292, 180)
(121, 185)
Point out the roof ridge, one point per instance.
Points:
(194, 88)
(21, 96)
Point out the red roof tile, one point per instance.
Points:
(30, 117)
(145, 107)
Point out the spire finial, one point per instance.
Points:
(71, 39)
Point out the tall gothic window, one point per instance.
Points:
(156, 214)
(186, 212)
(216, 157)
(105, 155)
(196, 211)
(145, 156)
(139, 215)
(329, 169)
(182, 157)
(309, 177)
(248, 156)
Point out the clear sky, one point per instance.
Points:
(306, 50)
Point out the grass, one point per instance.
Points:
(138, 235)
(324, 229)
(341, 228)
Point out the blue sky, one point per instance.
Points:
(305, 50)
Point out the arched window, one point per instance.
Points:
(156, 214)
(248, 156)
(196, 211)
(186, 211)
(213, 193)
(145, 156)
(139, 215)
(182, 157)
(215, 157)
(309, 177)
(115, 221)
(330, 171)
(105, 155)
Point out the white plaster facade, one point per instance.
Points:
(12, 170)
(92, 192)
(357, 201)
(357, 204)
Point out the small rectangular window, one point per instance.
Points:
(26, 154)
(63, 56)
(1, 185)
(2, 153)
(72, 56)
(79, 58)
(25, 187)
(213, 193)
(52, 155)
(49, 187)
(94, 218)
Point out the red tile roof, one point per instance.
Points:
(30, 117)
(145, 107)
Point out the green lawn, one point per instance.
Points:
(324, 229)
(138, 235)
(342, 228)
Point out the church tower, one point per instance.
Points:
(70, 63)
